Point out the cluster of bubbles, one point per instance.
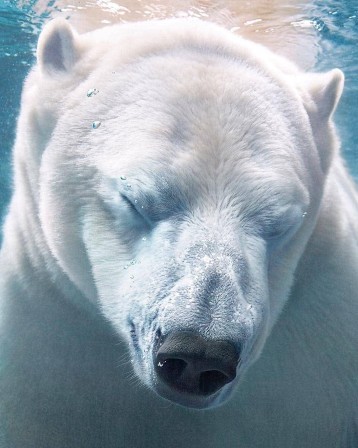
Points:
(90, 93)
(129, 186)
(144, 238)
(95, 125)
(131, 263)
(127, 266)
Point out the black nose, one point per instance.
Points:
(189, 363)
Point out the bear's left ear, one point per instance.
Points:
(325, 90)
(320, 93)
(56, 49)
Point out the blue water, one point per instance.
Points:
(334, 24)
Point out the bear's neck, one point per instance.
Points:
(25, 250)
(323, 304)
(52, 332)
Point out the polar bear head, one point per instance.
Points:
(178, 172)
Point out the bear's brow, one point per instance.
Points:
(158, 199)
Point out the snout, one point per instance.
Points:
(187, 365)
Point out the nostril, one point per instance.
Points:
(171, 369)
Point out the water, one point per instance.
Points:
(317, 35)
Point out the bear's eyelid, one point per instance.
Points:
(288, 221)
(136, 208)
(130, 203)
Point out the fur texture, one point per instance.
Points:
(211, 197)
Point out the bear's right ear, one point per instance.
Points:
(56, 49)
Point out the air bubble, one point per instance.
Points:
(144, 238)
(92, 92)
(135, 201)
(131, 276)
(96, 124)
(129, 186)
(123, 178)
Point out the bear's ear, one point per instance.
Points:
(56, 49)
(325, 90)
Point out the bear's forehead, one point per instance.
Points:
(175, 112)
(192, 87)
(215, 123)
(177, 156)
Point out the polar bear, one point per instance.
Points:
(180, 257)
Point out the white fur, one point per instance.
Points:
(231, 159)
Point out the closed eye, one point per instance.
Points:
(279, 230)
(135, 210)
(130, 204)
(283, 227)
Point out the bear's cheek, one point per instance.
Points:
(131, 274)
